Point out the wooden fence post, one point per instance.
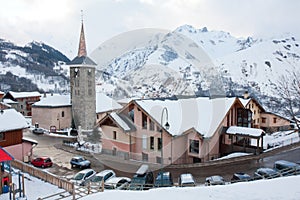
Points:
(102, 185)
(23, 185)
(73, 190)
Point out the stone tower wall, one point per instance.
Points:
(83, 96)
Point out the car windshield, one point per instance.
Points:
(97, 179)
(79, 176)
(47, 160)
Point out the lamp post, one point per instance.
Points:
(166, 126)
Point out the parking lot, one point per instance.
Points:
(61, 156)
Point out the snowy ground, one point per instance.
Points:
(285, 188)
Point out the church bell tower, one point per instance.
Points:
(82, 87)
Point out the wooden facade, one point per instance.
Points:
(10, 138)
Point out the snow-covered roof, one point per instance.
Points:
(120, 121)
(9, 101)
(5, 104)
(12, 120)
(105, 103)
(17, 95)
(1, 92)
(202, 113)
(244, 101)
(55, 100)
(245, 131)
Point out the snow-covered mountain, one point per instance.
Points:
(35, 66)
(193, 61)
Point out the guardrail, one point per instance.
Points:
(50, 178)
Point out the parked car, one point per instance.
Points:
(38, 131)
(117, 183)
(80, 162)
(266, 173)
(143, 179)
(164, 179)
(42, 162)
(102, 176)
(240, 177)
(186, 180)
(215, 180)
(83, 177)
(286, 168)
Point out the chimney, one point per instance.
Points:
(246, 95)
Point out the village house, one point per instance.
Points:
(22, 101)
(268, 121)
(52, 112)
(12, 126)
(197, 130)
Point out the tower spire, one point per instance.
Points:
(82, 45)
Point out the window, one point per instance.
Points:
(144, 141)
(254, 112)
(244, 117)
(89, 83)
(89, 72)
(274, 120)
(151, 125)
(131, 112)
(90, 92)
(194, 146)
(151, 142)
(254, 121)
(114, 135)
(62, 113)
(2, 136)
(159, 146)
(263, 120)
(144, 121)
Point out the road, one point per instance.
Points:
(46, 146)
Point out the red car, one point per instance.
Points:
(42, 162)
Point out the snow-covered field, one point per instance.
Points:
(285, 188)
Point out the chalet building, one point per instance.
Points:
(22, 101)
(197, 130)
(11, 135)
(269, 122)
(53, 112)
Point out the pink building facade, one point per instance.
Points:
(196, 126)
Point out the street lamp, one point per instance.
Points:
(166, 126)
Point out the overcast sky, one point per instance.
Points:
(57, 22)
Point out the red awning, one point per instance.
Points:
(5, 156)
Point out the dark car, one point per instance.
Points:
(164, 179)
(286, 168)
(142, 180)
(80, 162)
(42, 162)
(240, 177)
(38, 131)
(266, 173)
(215, 180)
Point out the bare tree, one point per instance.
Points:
(288, 89)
